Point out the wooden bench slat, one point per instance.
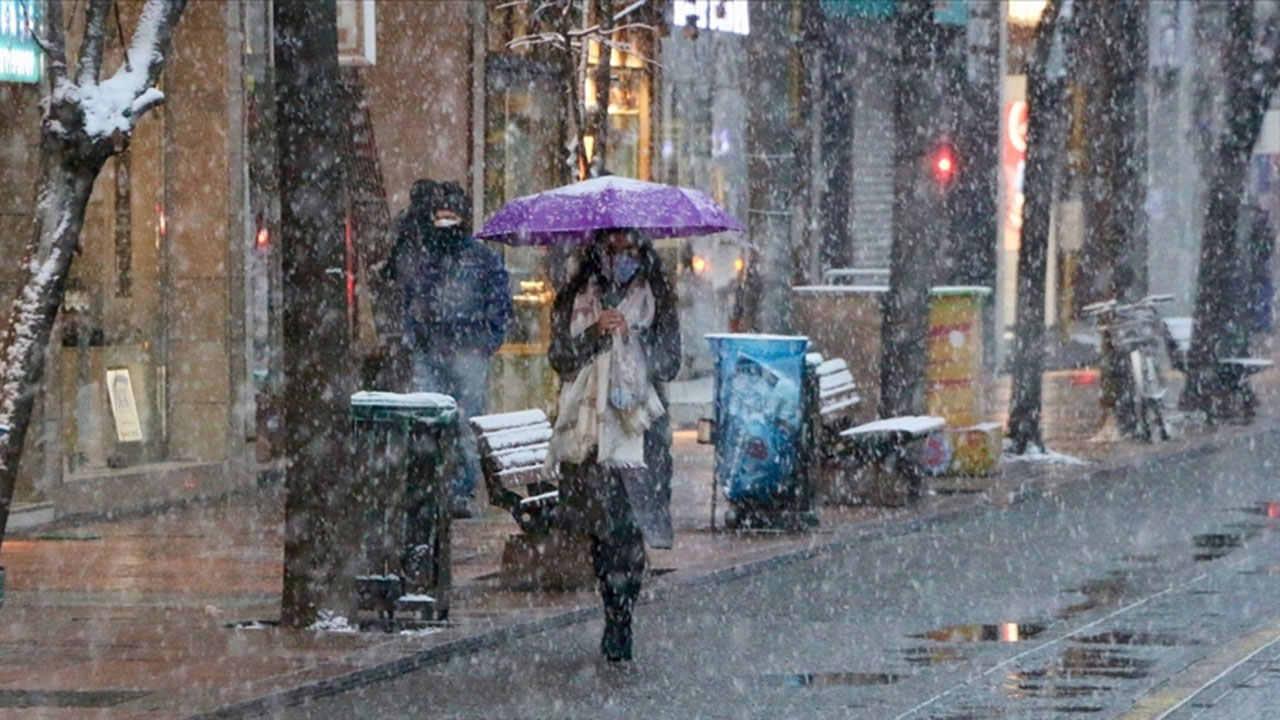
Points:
(913, 425)
(522, 476)
(516, 438)
(828, 367)
(1258, 363)
(505, 421)
(835, 380)
(543, 499)
(521, 458)
(840, 390)
(839, 405)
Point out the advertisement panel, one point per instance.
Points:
(357, 36)
(19, 54)
(759, 415)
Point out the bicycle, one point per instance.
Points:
(1139, 334)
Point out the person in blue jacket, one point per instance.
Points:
(456, 304)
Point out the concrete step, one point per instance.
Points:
(29, 515)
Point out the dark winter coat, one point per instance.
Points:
(594, 500)
(455, 291)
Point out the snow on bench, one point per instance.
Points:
(506, 421)
(912, 425)
(519, 437)
(1247, 364)
(541, 499)
(836, 388)
(513, 456)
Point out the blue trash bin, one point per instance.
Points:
(759, 419)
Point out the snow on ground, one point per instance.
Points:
(332, 622)
(1036, 454)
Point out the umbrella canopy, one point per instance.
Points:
(570, 215)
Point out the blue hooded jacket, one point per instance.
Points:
(456, 294)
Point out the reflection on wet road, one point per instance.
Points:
(1077, 605)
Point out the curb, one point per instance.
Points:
(1039, 485)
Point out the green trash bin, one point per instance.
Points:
(405, 454)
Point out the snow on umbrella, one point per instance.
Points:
(570, 215)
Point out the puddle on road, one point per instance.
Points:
(1087, 662)
(1211, 546)
(68, 536)
(1104, 662)
(970, 712)
(935, 655)
(14, 698)
(1097, 593)
(1142, 559)
(1265, 508)
(1127, 637)
(1000, 632)
(834, 679)
(1056, 692)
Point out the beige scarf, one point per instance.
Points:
(610, 403)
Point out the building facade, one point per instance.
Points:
(164, 373)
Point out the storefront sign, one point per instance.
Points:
(19, 53)
(1014, 158)
(946, 12)
(730, 15)
(357, 32)
(123, 407)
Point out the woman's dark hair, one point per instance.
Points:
(593, 262)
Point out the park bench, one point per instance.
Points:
(884, 447)
(836, 397)
(513, 455)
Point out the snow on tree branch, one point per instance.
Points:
(114, 105)
(95, 33)
(629, 9)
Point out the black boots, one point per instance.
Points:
(618, 561)
(619, 598)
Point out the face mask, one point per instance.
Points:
(446, 222)
(624, 268)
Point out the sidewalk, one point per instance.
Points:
(136, 618)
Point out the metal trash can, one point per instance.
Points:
(760, 430)
(405, 455)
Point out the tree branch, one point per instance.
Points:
(544, 38)
(95, 33)
(629, 9)
(151, 39)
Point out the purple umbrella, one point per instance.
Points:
(570, 215)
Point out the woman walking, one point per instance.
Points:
(615, 338)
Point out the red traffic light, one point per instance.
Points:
(944, 165)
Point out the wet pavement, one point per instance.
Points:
(1077, 603)
(171, 615)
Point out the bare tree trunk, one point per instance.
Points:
(906, 305)
(837, 145)
(1128, 123)
(72, 154)
(976, 218)
(771, 170)
(1250, 84)
(603, 79)
(1044, 147)
(318, 376)
(64, 194)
